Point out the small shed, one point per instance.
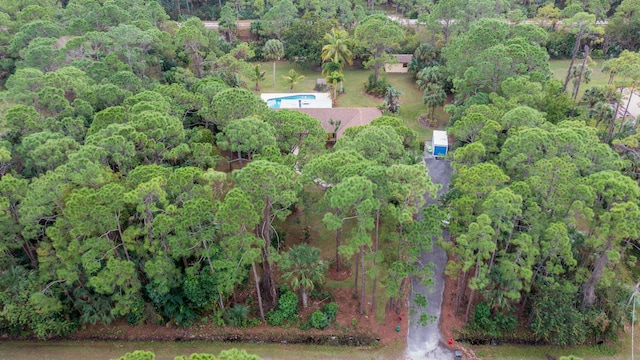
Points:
(440, 143)
(401, 65)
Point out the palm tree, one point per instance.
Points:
(600, 111)
(336, 52)
(329, 67)
(257, 75)
(338, 48)
(434, 95)
(429, 75)
(333, 79)
(273, 50)
(303, 268)
(293, 78)
(392, 99)
(594, 95)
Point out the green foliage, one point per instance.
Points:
(424, 56)
(196, 357)
(376, 87)
(319, 320)
(231, 354)
(377, 34)
(236, 354)
(560, 43)
(237, 315)
(491, 325)
(391, 101)
(26, 310)
(304, 39)
(287, 310)
(276, 318)
(200, 289)
(288, 304)
(555, 318)
(174, 307)
(139, 355)
(331, 310)
(304, 268)
(293, 78)
(137, 312)
(321, 295)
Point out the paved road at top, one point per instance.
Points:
(426, 342)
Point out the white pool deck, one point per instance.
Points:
(321, 101)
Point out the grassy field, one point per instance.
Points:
(411, 102)
(618, 351)
(97, 350)
(598, 77)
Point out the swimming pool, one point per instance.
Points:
(293, 101)
(276, 102)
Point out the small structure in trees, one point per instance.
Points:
(440, 143)
(401, 65)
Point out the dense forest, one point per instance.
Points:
(121, 127)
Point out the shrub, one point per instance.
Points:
(217, 318)
(288, 304)
(275, 318)
(331, 310)
(481, 319)
(555, 319)
(319, 320)
(559, 44)
(376, 88)
(287, 309)
(492, 325)
(137, 311)
(200, 289)
(237, 315)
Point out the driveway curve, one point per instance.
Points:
(427, 342)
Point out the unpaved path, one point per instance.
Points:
(426, 342)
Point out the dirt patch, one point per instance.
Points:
(341, 275)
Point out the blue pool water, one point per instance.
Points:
(275, 102)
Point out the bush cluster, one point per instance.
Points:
(322, 319)
(376, 88)
(491, 325)
(287, 310)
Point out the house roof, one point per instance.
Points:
(403, 58)
(348, 117)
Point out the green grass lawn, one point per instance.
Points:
(411, 102)
(598, 77)
(618, 351)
